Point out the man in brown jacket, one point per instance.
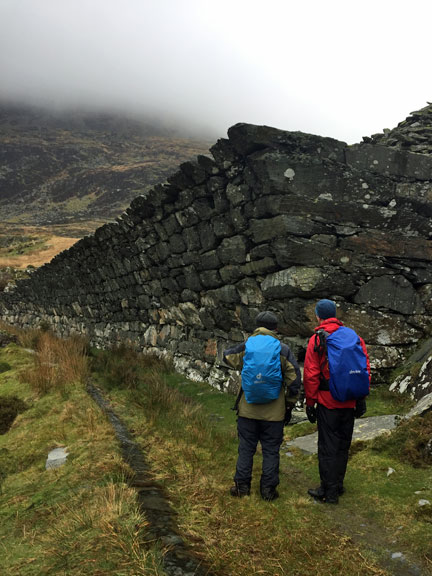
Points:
(263, 422)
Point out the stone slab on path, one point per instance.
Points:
(364, 429)
(56, 458)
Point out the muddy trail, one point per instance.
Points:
(178, 558)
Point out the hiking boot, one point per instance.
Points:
(240, 490)
(331, 499)
(318, 493)
(269, 493)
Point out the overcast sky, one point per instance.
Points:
(339, 68)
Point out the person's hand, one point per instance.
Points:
(360, 408)
(288, 412)
(311, 414)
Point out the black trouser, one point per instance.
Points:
(335, 430)
(270, 434)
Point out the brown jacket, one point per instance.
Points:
(275, 410)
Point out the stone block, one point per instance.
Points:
(394, 293)
(282, 226)
(227, 294)
(171, 225)
(209, 261)
(210, 279)
(232, 250)
(248, 138)
(177, 245)
(191, 239)
(222, 227)
(389, 161)
(207, 237)
(250, 292)
(307, 282)
(194, 172)
(259, 267)
(238, 194)
(187, 217)
(230, 273)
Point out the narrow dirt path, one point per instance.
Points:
(179, 560)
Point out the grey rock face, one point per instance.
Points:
(364, 429)
(275, 220)
(393, 293)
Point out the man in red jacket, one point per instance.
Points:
(335, 419)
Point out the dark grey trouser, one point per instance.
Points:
(335, 430)
(270, 435)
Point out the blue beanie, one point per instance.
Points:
(325, 309)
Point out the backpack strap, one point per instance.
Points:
(239, 395)
(320, 346)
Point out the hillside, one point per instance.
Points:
(69, 167)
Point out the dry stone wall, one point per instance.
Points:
(271, 220)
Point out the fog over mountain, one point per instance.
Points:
(333, 68)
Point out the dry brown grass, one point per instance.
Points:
(54, 245)
(108, 523)
(57, 363)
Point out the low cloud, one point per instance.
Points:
(294, 65)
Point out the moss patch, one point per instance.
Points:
(410, 442)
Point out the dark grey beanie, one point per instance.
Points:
(267, 320)
(325, 309)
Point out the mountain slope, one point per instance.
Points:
(58, 168)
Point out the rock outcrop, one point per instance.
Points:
(273, 220)
(414, 133)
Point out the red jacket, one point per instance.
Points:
(316, 363)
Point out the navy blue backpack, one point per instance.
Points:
(349, 376)
(262, 372)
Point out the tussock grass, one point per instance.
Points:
(57, 363)
(104, 532)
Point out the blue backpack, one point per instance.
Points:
(262, 372)
(349, 376)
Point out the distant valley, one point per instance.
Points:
(65, 174)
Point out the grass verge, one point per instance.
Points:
(81, 518)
